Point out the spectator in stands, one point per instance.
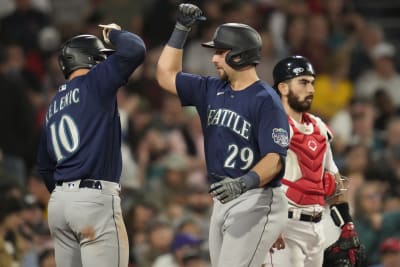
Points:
(385, 109)
(295, 36)
(316, 47)
(17, 143)
(372, 224)
(137, 219)
(23, 24)
(369, 35)
(12, 243)
(333, 89)
(182, 246)
(160, 238)
(390, 252)
(383, 74)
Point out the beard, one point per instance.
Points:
(297, 105)
(223, 75)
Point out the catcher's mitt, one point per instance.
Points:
(346, 251)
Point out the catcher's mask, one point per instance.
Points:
(82, 52)
(242, 41)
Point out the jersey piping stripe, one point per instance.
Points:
(270, 207)
(116, 230)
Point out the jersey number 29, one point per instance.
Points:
(64, 133)
(245, 155)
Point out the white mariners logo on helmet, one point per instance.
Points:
(298, 70)
(280, 137)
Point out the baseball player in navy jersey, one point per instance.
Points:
(80, 150)
(311, 180)
(245, 134)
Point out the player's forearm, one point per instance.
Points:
(337, 199)
(268, 167)
(169, 64)
(130, 50)
(339, 187)
(128, 45)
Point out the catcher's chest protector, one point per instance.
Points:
(310, 151)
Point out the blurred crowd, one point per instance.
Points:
(164, 194)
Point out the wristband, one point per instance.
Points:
(250, 180)
(340, 214)
(178, 36)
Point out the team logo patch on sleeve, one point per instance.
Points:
(280, 137)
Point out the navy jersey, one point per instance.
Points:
(240, 127)
(81, 137)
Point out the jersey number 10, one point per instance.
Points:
(64, 133)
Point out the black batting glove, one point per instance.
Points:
(228, 189)
(188, 14)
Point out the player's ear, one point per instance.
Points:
(283, 88)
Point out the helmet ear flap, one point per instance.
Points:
(238, 60)
(233, 60)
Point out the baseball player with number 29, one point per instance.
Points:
(80, 151)
(245, 135)
(311, 180)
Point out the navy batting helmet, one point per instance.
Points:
(82, 52)
(242, 40)
(291, 67)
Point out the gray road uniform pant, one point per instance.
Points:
(87, 225)
(243, 230)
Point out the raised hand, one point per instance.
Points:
(188, 14)
(106, 31)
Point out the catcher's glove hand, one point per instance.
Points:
(346, 251)
(106, 31)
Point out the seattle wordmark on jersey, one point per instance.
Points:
(230, 119)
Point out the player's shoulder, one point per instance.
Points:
(264, 87)
(266, 94)
(210, 81)
(322, 126)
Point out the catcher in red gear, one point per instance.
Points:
(312, 182)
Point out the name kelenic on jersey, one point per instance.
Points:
(69, 98)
